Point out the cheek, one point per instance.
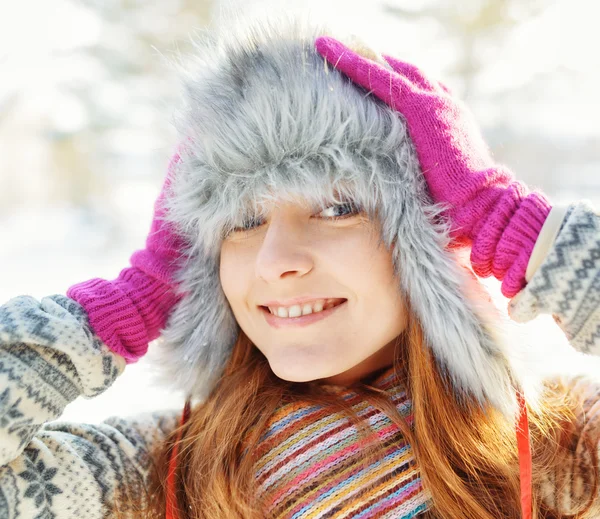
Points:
(344, 251)
(390, 297)
(371, 269)
(234, 272)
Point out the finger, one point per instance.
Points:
(412, 72)
(384, 83)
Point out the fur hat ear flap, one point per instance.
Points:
(195, 345)
(463, 333)
(461, 324)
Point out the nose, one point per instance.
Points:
(284, 251)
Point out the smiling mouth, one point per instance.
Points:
(303, 320)
(302, 310)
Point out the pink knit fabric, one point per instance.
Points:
(489, 209)
(129, 312)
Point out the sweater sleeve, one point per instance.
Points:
(49, 356)
(566, 284)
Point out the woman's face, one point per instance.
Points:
(295, 260)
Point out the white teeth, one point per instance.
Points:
(306, 309)
(295, 311)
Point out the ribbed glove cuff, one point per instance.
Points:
(128, 312)
(503, 241)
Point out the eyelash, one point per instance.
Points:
(354, 209)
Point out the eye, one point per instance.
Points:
(333, 212)
(248, 225)
(340, 211)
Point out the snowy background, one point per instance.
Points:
(86, 97)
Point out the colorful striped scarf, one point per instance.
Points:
(308, 464)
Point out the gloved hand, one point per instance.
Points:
(488, 209)
(129, 312)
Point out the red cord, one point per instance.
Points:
(171, 495)
(525, 464)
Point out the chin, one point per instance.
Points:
(293, 375)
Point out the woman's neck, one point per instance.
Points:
(382, 358)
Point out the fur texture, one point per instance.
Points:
(266, 118)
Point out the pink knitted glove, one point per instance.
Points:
(489, 209)
(129, 312)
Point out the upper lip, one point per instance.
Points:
(298, 300)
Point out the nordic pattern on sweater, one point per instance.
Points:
(49, 356)
(567, 284)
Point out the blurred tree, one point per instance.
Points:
(109, 98)
(127, 112)
(469, 24)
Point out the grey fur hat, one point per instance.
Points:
(263, 116)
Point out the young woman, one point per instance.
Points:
(310, 275)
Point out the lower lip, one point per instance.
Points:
(303, 320)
